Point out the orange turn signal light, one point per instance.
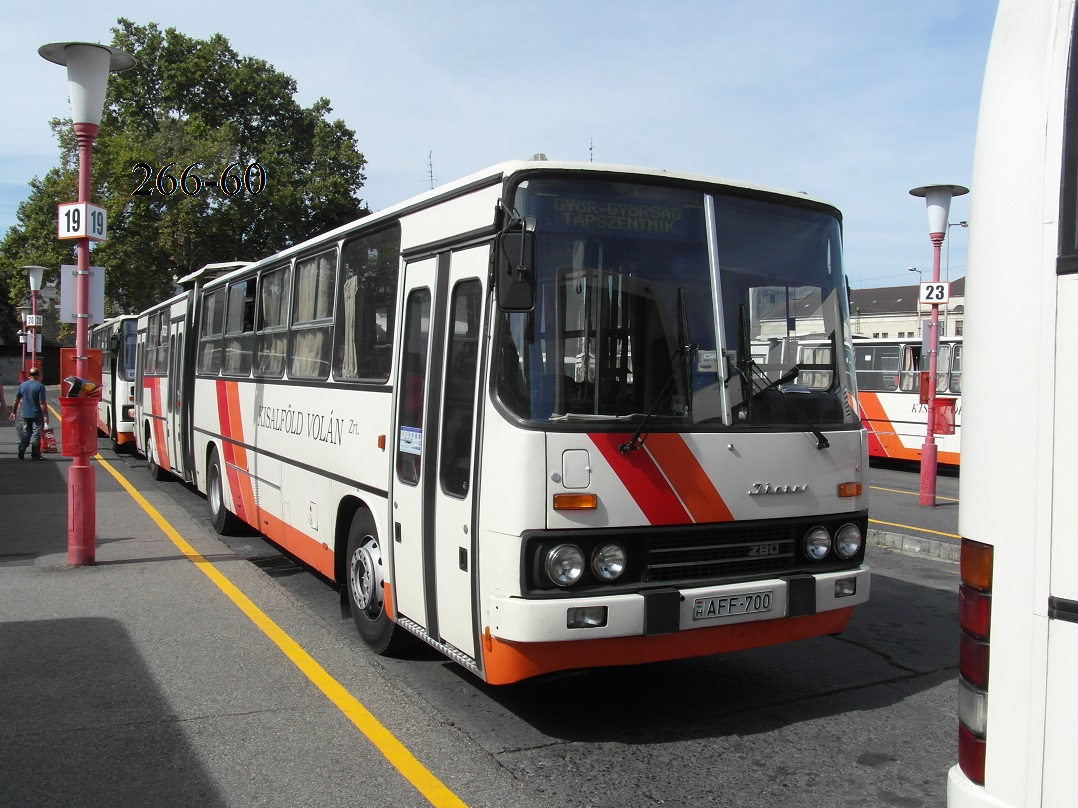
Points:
(575, 502)
(849, 489)
(976, 565)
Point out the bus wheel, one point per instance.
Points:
(224, 521)
(366, 594)
(156, 471)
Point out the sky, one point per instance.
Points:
(851, 101)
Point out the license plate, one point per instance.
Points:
(732, 605)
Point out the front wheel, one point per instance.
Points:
(156, 471)
(366, 590)
(224, 521)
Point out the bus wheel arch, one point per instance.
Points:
(364, 582)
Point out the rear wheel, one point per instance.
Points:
(224, 521)
(366, 590)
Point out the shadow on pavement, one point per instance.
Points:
(82, 722)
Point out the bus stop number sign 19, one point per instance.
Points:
(80, 220)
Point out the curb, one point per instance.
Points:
(934, 548)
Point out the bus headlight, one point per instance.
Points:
(847, 541)
(564, 564)
(817, 544)
(608, 561)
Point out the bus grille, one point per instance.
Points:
(729, 553)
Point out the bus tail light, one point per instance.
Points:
(975, 620)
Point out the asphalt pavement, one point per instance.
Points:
(140, 680)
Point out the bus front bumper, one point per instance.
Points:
(670, 610)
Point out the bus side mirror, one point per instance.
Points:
(114, 344)
(514, 269)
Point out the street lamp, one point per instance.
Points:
(917, 298)
(938, 202)
(88, 67)
(34, 273)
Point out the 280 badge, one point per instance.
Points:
(235, 178)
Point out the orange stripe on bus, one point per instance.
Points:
(688, 478)
(505, 662)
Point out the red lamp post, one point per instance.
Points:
(938, 201)
(88, 68)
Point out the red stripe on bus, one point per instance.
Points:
(153, 384)
(642, 479)
(687, 476)
(228, 450)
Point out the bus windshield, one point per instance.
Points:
(678, 306)
(125, 368)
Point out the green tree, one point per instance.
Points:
(190, 102)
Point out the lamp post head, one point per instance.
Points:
(88, 68)
(35, 273)
(938, 200)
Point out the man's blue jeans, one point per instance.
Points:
(31, 435)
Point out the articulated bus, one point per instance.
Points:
(518, 416)
(1017, 702)
(116, 408)
(888, 386)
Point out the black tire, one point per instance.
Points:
(156, 471)
(366, 593)
(224, 521)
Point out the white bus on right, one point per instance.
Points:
(1018, 685)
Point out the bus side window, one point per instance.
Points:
(413, 384)
(239, 328)
(310, 343)
(370, 271)
(911, 362)
(271, 335)
(458, 412)
(956, 370)
(213, 326)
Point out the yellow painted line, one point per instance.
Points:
(918, 529)
(394, 751)
(908, 493)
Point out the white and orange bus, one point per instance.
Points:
(1018, 606)
(888, 386)
(518, 417)
(115, 338)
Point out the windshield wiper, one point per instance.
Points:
(684, 355)
(821, 440)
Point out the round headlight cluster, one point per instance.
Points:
(565, 564)
(817, 543)
(608, 561)
(846, 543)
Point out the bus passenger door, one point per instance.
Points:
(455, 533)
(433, 514)
(174, 433)
(411, 449)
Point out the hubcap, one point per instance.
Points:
(215, 490)
(366, 576)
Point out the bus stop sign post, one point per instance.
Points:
(88, 67)
(938, 201)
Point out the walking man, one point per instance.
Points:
(31, 395)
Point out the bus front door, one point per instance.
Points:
(434, 446)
